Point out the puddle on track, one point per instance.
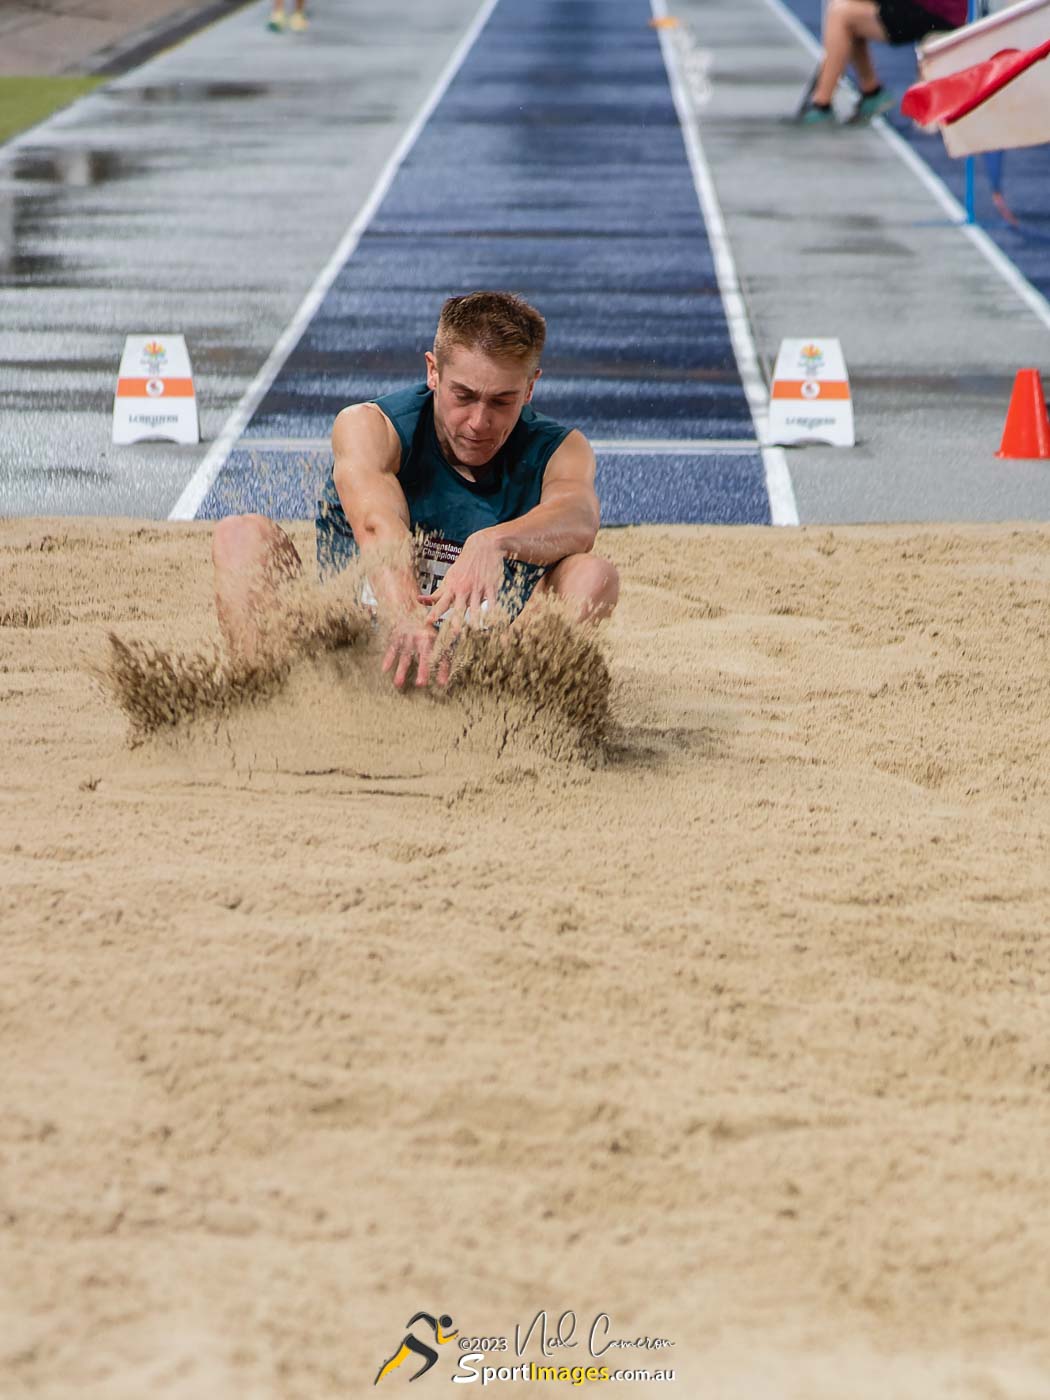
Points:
(188, 91)
(39, 176)
(71, 167)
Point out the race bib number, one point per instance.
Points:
(434, 558)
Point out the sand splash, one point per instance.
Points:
(545, 687)
(549, 680)
(158, 688)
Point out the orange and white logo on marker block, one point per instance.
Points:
(155, 397)
(810, 399)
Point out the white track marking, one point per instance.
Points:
(990, 250)
(685, 447)
(200, 484)
(284, 445)
(782, 506)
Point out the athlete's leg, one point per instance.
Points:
(846, 23)
(589, 585)
(253, 557)
(428, 1354)
(408, 1346)
(402, 1354)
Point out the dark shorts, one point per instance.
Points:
(337, 548)
(907, 23)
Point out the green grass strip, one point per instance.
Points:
(26, 101)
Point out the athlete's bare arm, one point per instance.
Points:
(367, 458)
(564, 523)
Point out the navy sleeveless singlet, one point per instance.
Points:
(444, 507)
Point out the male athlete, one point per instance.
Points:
(458, 494)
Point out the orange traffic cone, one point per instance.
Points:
(1027, 429)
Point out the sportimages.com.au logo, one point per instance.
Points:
(489, 1359)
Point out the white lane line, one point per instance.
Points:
(986, 246)
(284, 445)
(686, 447)
(200, 483)
(783, 508)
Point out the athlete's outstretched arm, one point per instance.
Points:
(367, 457)
(565, 522)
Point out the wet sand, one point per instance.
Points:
(723, 1014)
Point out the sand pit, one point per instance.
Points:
(728, 1019)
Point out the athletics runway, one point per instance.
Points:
(554, 164)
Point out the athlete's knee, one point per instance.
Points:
(593, 582)
(609, 578)
(238, 540)
(598, 578)
(244, 543)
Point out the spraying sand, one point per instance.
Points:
(695, 975)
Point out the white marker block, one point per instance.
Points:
(809, 400)
(155, 397)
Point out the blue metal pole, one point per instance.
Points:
(971, 192)
(971, 186)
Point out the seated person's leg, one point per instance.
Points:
(848, 26)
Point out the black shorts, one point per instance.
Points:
(907, 23)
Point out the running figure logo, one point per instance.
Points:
(411, 1344)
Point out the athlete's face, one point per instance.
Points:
(477, 401)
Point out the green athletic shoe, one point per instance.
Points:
(868, 108)
(817, 116)
(276, 24)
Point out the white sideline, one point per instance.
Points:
(1011, 275)
(782, 505)
(200, 483)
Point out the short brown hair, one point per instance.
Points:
(500, 324)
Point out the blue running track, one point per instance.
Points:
(554, 166)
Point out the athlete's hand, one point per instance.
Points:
(412, 640)
(475, 578)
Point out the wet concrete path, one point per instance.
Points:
(200, 193)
